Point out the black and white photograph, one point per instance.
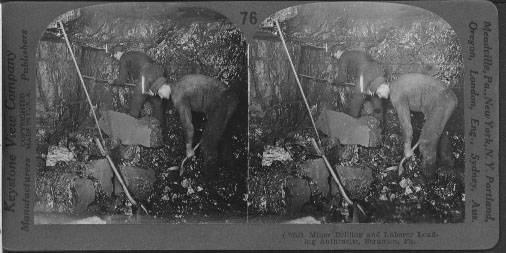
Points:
(251, 125)
(356, 116)
(141, 114)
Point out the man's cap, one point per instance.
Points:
(117, 48)
(376, 83)
(336, 48)
(157, 84)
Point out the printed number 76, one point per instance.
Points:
(252, 17)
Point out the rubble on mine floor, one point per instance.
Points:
(368, 174)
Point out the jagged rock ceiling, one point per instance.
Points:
(321, 25)
(98, 25)
(326, 24)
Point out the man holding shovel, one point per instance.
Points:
(421, 93)
(200, 93)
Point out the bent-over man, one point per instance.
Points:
(200, 93)
(421, 93)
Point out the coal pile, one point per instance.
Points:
(388, 197)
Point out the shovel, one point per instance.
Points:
(401, 169)
(181, 167)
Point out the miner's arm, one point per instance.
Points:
(123, 72)
(343, 69)
(357, 100)
(402, 109)
(185, 115)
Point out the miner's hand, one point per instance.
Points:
(189, 150)
(408, 152)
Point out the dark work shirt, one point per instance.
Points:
(354, 62)
(414, 92)
(195, 93)
(131, 64)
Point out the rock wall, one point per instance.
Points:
(275, 99)
(61, 104)
(213, 47)
(423, 44)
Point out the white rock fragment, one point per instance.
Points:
(273, 153)
(59, 154)
(405, 182)
(185, 183)
(304, 220)
(391, 168)
(89, 220)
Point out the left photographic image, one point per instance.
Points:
(141, 117)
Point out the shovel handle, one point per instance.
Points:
(181, 167)
(335, 177)
(401, 169)
(118, 176)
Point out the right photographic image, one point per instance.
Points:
(356, 115)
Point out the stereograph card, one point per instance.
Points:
(250, 125)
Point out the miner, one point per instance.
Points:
(200, 93)
(140, 67)
(360, 65)
(421, 93)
